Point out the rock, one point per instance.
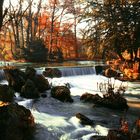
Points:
(111, 73)
(29, 90)
(113, 101)
(16, 78)
(84, 120)
(41, 83)
(61, 93)
(87, 97)
(16, 123)
(43, 95)
(30, 72)
(52, 72)
(99, 69)
(97, 137)
(6, 93)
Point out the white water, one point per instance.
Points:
(56, 120)
(2, 75)
(74, 71)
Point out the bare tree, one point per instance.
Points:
(1, 13)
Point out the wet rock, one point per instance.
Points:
(29, 90)
(41, 83)
(16, 78)
(99, 69)
(30, 72)
(87, 97)
(115, 101)
(97, 137)
(52, 72)
(112, 101)
(43, 95)
(61, 93)
(16, 123)
(6, 93)
(84, 120)
(111, 73)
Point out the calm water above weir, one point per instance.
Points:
(64, 64)
(56, 120)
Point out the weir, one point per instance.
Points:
(66, 71)
(73, 71)
(2, 75)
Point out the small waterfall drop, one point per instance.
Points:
(2, 75)
(73, 71)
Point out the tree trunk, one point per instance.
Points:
(52, 29)
(75, 34)
(1, 13)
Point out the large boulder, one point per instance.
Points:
(52, 72)
(41, 83)
(61, 93)
(30, 72)
(6, 93)
(16, 78)
(115, 101)
(29, 90)
(112, 101)
(39, 80)
(16, 123)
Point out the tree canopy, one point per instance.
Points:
(115, 23)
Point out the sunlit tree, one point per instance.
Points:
(114, 23)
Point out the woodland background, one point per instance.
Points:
(57, 30)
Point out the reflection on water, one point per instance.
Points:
(54, 64)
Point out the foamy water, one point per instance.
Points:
(56, 120)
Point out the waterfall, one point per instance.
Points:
(2, 75)
(73, 71)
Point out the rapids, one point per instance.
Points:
(56, 120)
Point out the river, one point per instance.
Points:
(56, 120)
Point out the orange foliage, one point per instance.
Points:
(63, 37)
(3, 104)
(5, 46)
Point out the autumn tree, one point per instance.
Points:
(34, 24)
(75, 9)
(22, 24)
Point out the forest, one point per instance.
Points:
(70, 29)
